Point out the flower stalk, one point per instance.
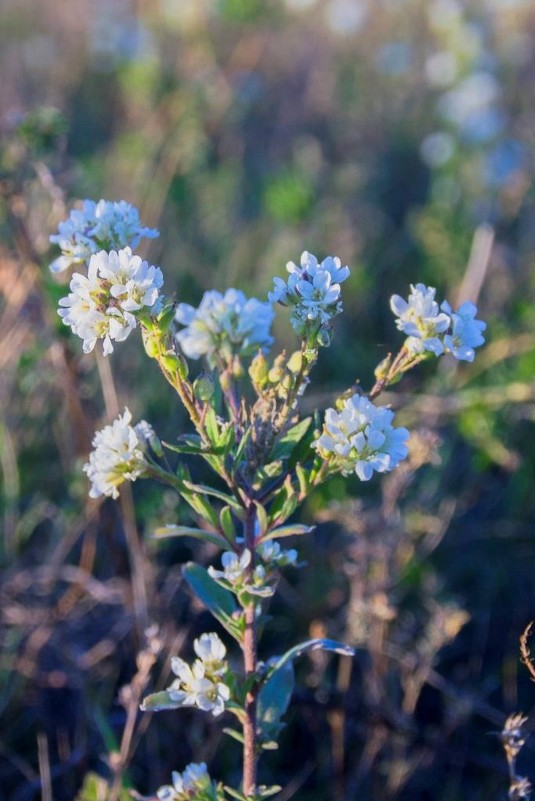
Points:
(266, 457)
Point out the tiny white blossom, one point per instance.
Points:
(360, 438)
(225, 325)
(105, 225)
(421, 319)
(235, 576)
(272, 554)
(313, 290)
(102, 304)
(211, 651)
(194, 777)
(234, 567)
(194, 688)
(118, 456)
(466, 333)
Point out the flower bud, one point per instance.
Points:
(295, 362)
(204, 387)
(324, 337)
(259, 369)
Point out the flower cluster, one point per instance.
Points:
(201, 684)
(105, 225)
(273, 555)
(103, 303)
(236, 577)
(313, 290)
(188, 784)
(118, 456)
(437, 329)
(224, 325)
(360, 438)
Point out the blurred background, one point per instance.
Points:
(396, 134)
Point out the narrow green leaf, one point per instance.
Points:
(274, 698)
(227, 523)
(219, 601)
(261, 516)
(196, 533)
(158, 701)
(202, 506)
(211, 426)
(295, 530)
(235, 794)
(313, 645)
(188, 443)
(288, 441)
(204, 489)
(236, 735)
(303, 476)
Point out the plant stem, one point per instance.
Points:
(250, 664)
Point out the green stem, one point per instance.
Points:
(250, 659)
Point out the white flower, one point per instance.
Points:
(313, 290)
(235, 576)
(421, 319)
(211, 651)
(224, 324)
(102, 305)
(272, 554)
(234, 567)
(194, 777)
(118, 456)
(361, 438)
(97, 226)
(194, 688)
(466, 331)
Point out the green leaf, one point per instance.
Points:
(202, 506)
(288, 441)
(187, 443)
(235, 794)
(227, 523)
(211, 426)
(295, 530)
(303, 476)
(196, 533)
(262, 517)
(274, 698)
(219, 601)
(204, 489)
(236, 735)
(158, 701)
(314, 645)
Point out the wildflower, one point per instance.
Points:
(194, 687)
(234, 567)
(360, 438)
(118, 456)
(313, 290)
(466, 331)
(421, 318)
(224, 325)
(102, 305)
(272, 554)
(105, 225)
(211, 651)
(194, 777)
(238, 579)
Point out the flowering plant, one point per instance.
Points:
(265, 457)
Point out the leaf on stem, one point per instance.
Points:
(158, 701)
(284, 447)
(187, 531)
(294, 530)
(276, 691)
(219, 601)
(274, 698)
